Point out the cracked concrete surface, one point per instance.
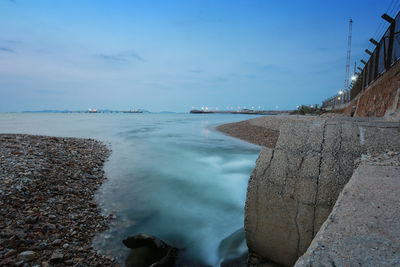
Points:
(295, 185)
(363, 228)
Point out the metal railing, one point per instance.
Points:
(337, 100)
(384, 56)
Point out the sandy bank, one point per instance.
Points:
(47, 211)
(251, 133)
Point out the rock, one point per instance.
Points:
(45, 192)
(51, 226)
(26, 256)
(69, 262)
(10, 253)
(7, 262)
(20, 263)
(240, 261)
(147, 250)
(56, 242)
(32, 219)
(233, 246)
(42, 246)
(57, 256)
(142, 240)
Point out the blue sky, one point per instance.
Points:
(175, 55)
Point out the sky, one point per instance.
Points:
(175, 55)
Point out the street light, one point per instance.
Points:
(340, 96)
(354, 78)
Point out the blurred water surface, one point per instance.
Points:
(170, 175)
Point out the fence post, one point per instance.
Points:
(392, 22)
(377, 51)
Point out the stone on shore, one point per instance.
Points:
(57, 256)
(46, 185)
(26, 256)
(148, 250)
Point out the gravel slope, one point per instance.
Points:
(48, 215)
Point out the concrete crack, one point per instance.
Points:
(319, 174)
(297, 211)
(263, 176)
(269, 163)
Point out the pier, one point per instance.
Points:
(243, 111)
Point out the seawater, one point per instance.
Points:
(170, 175)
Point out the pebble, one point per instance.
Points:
(56, 242)
(56, 256)
(26, 256)
(47, 186)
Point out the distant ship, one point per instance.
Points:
(197, 111)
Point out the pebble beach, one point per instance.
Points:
(47, 208)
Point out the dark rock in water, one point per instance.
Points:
(240, 261)
(233, 246)
(148, 250)
(143, 240)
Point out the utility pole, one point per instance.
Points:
(347, 75)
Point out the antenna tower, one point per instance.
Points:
(347, 75)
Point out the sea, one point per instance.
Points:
(169, 175)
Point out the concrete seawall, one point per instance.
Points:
(296, 183)
(364, 227)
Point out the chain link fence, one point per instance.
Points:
(384, 56)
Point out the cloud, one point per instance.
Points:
(241, 75)
(50, 92)
(120, 57)
(7, 50)
(197, 71)
(218, 79)
(110, 57)
(11, 41)
(268, 67)
(271, 68)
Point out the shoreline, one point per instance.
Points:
(47, 187)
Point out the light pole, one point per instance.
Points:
(340, 98)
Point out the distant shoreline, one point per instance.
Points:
(243, 111)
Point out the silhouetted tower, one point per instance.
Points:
(347, 75)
